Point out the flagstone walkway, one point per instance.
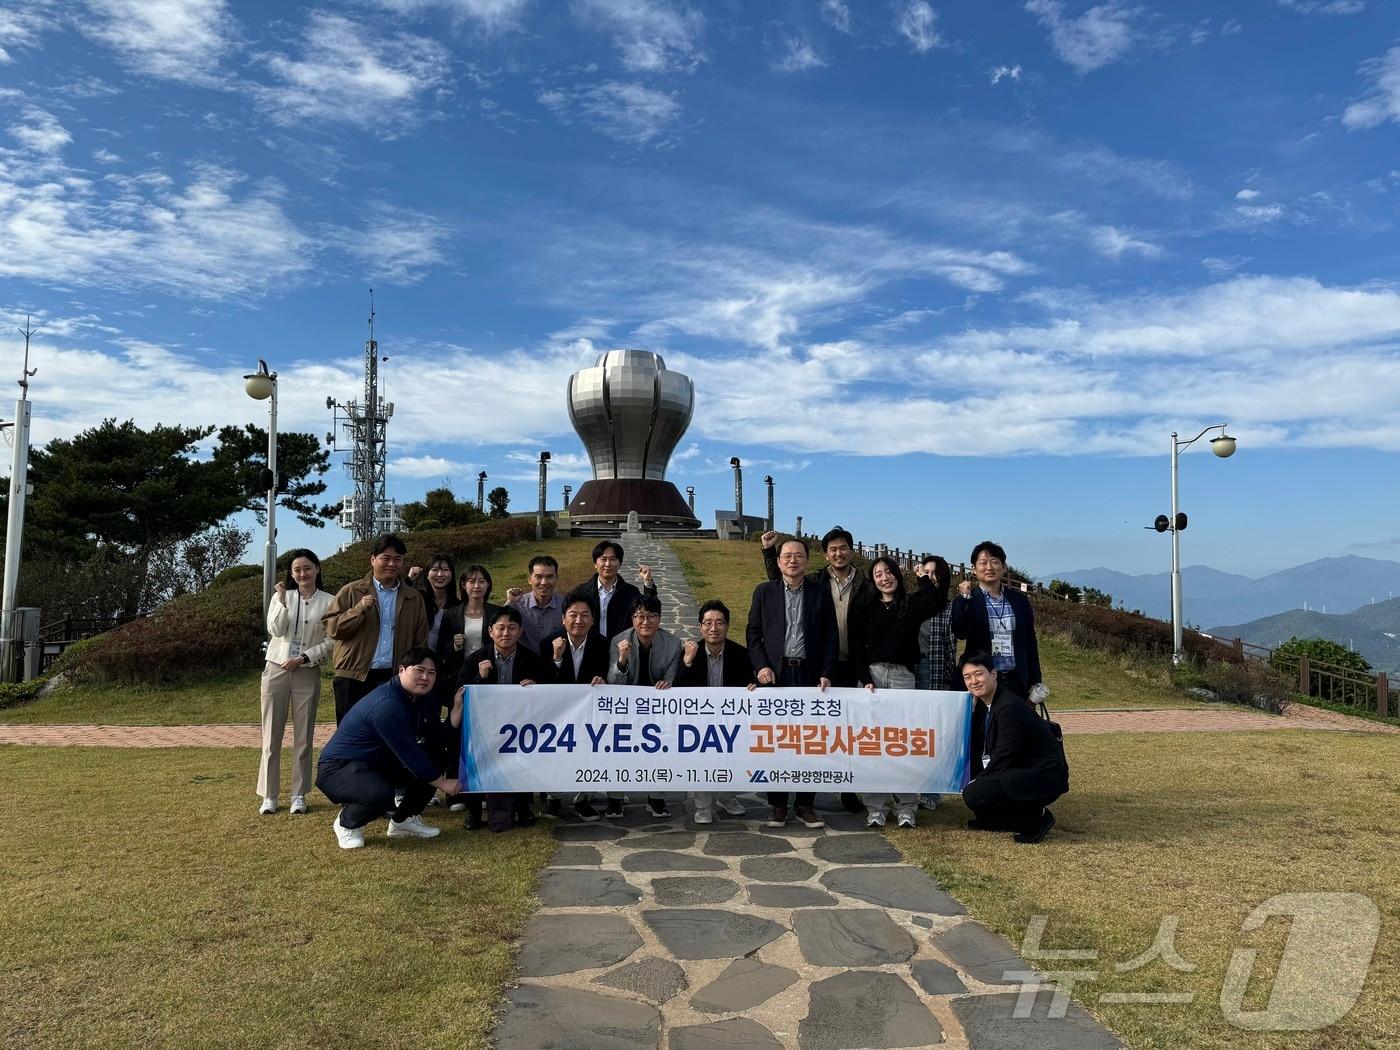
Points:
(667, 935)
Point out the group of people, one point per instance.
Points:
(406, 642)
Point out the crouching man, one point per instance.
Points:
(1023, 766)
(374, 765)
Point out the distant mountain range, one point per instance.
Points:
(1372, 630)
(1340, 585)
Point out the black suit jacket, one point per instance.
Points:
(1025, 756)
(528, 665)
(768, 625)
(593, 665)
(453, 623)
(619, 605)
(968, 620)
(738, 668)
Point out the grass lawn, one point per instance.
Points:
(162, 911)
(1203, 827)
(234, 697)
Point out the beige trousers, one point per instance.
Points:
(283, 691)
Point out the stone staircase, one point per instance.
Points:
(679, 609)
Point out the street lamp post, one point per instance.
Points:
(539, 514)
(769, 482)
(1223, 445)
(10, 634)
(481, 491)
(262, 386)
(690, 497)
(738, 495)
(568, 489)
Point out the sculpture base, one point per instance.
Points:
(608, 502)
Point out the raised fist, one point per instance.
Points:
(559, 648)
(367, 602)
(484, 669)
(644, 573)
(414, 573)
(765, 676)
(768, 538)
(513, 593)
(281, 590)
(691, 649)
(965, 588)
(624, 650)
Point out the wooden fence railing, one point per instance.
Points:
(1363, 690)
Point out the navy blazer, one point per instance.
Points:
(619, 605)
(768, 626)
(968, 620)
(593, 665)
(1024, 754)
(528, 666)
(738, 668)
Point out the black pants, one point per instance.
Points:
(350, 691)
(367, 792)
(793, 674)
(991, 805)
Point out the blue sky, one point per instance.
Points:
(946, 271)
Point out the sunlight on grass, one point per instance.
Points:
(164, 911)
(1204, 827)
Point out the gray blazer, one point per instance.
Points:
(665, 658)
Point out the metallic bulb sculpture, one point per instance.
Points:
(631, 412)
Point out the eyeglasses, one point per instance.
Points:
(645, 618)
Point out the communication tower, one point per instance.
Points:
(363, 426)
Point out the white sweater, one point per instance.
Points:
(282, 626)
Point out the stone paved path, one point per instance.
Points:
(662, 934)
(1155, 720)
(679, 609)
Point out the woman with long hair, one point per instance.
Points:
(464, 630)
(884, 647)
(291, 678)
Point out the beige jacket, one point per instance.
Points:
(282, 626)
(355, 629)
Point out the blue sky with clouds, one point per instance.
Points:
(946, 271)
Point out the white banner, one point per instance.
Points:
(564, 738)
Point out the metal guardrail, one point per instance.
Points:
(57, 636)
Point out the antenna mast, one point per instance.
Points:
(365, 425)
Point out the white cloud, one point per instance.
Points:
(396, 244)
(1099, 36)
(40, 131)
(22, 28)
(491, 16)
(651, 36)
(629, 113)
(106, 156)
(915, 20)
(351, 73)
(1217, 266)
(213, 237)
(430, 467)
(1116, 243)
(1247, 195)
(181, 40)
(1325, 7)
(798, 55)
(836, 14)
(1259, 214)
(1001, 73)
(1382, 102)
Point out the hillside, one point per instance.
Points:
(1372, 630)
(1215, 597)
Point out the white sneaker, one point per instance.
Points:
(732, 807)
(875, 818)
(298, 804)
(704, 816)
(412, 827)
(269, 805)
(349, 838)
(457, 807)
(907, 819)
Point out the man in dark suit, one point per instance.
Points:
(579, 656)
(996, 619)
(609, 596)
(722, 663)
(1023, 764)
(502, 662)
(792, 642)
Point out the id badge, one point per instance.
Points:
(294, 650)
(1001, 645)
(986, 760)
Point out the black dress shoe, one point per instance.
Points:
(552, 807)
(1047, 821)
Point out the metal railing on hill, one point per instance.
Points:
(58, 635)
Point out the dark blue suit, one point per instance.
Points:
(968, 620)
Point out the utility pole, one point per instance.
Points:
(10, 634)
(366, 428)
(481, 491)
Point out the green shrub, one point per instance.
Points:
(1249, 682)
(237, 572)
(222, 629)
(1114, 631)
(14, 693)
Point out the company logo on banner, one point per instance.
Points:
(611, 738)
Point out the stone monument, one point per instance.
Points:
(630, 411)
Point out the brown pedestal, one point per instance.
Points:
(608, 503)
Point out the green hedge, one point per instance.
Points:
(12, 693)
(221, 629)
(1110, 630)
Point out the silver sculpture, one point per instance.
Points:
(631, 411)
